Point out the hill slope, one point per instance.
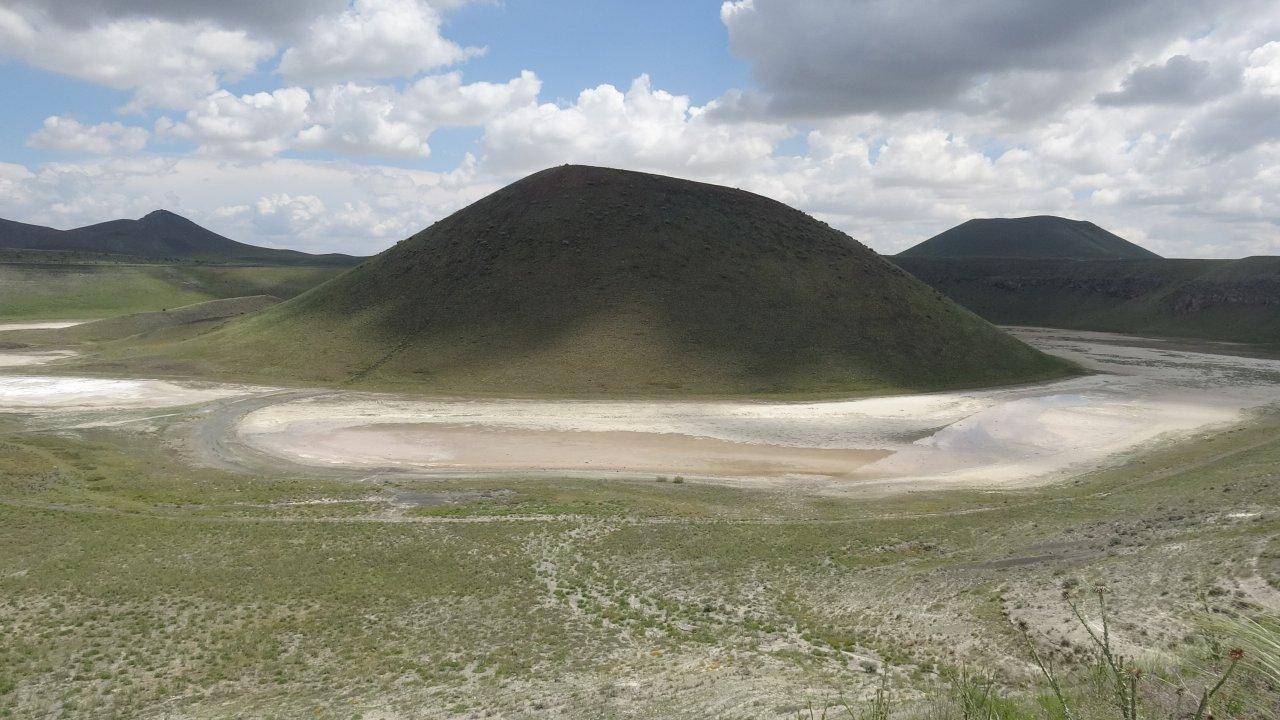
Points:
(582, 280)
(1040, 236)
(158, 235)
(136, 324)
(1231, 300)
(70, 291)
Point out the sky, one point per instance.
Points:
(347, 125)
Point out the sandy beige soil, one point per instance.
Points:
(468, 447)
(55, 325)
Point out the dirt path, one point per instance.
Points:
(211, 440)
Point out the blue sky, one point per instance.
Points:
(348, 124)
(683, 46)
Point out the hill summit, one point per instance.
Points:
(1039, 236)
(587, 281)
(159, 235)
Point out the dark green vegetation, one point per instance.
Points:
(64, 291)
(581, 280)
(133, 585)
(160, 235)
(1230, 300)
(1040, 236)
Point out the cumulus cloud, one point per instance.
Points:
(372, 39)
(1178, 81)
(834, 57)
(281, 213)
(255, 125)
(69, 135)
(366, 208)
(164, 63)
(642, 128)
(349, 119)
(1263, 71)
(380, 120)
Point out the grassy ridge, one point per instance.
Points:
(593, 281)
(30, 291)
(1229, 300)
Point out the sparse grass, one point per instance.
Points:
(133, 585)
(1112, 687)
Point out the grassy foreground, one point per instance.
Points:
(63, 291)
(135, 586)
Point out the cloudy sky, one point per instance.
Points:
(349, 124)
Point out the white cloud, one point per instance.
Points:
(164, 63)
(348, 119)
(271, 202)
(257, 125)
(372, 39)
(1263, 72)
(443, 100)
(363, 121)
(642, 128)
(284, 214)
(68, 135)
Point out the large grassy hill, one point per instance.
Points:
(581, 280)
(1231, 300)
(1040, 236)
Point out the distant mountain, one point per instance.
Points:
(160, 235)
(1232, 300)
(593, 281)
(1040, 236)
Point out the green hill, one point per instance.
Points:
(1041, 236)
(158, 235)
(1229, 300)
(587, 281)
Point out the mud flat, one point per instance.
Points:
(1011, 436)
(1141, 393)
(24, 359)
(52, 393)
(495, 449)
(54, 325)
